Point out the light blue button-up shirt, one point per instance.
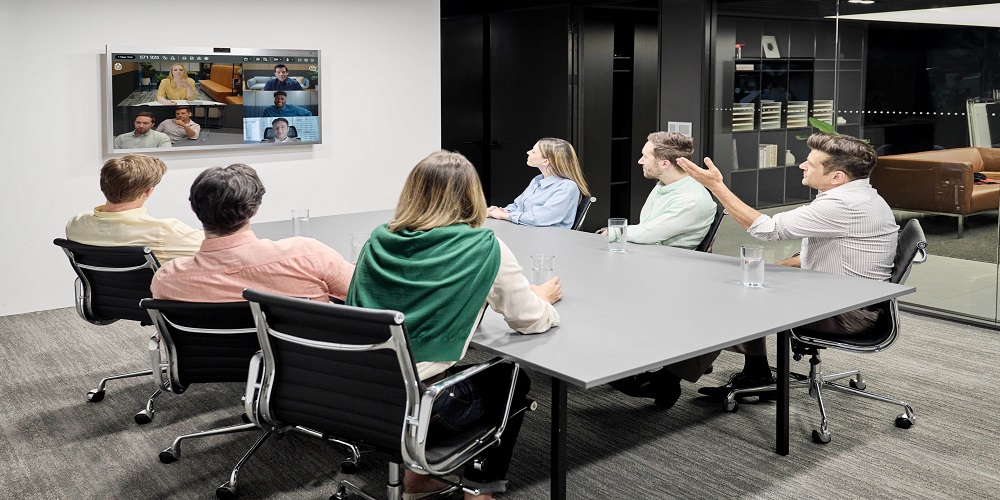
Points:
(547, 201)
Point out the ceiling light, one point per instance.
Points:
(866, 2)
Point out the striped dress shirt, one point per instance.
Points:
(847, 230)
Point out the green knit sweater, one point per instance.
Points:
(438, 279)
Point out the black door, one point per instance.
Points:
(529, 92)
(463, 91)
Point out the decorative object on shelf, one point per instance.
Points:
(739, 50)
(767, 155)
(841, 120)
(736, 157)
(743, 114)
(797, 115)
(770, 47)
(770, 115)
(789, 158)
(823, 110)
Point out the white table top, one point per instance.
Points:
(623, 314)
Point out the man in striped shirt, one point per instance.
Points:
(848, 229)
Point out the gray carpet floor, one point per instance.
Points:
(54, 444)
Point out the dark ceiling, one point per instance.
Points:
(778, 9)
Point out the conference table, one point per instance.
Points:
(626, 313)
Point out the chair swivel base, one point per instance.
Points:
(97, 395)
(816, 381)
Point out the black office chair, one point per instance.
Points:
(910, 249)
(109, 285)
(354, 366)
(269, 132)
(200, 343)
(581, 211)
(713, 230)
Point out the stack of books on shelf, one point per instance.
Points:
(770, 115)
(767, 155)
(823, 110)
(798, 114)
(743, 116)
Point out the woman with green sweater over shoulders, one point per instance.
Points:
(437, 264)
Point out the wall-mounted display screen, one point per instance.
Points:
(162, 98)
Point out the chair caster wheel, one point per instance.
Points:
(226, 492)
(166, 457)
(821, 437)
(858, 384)
(730, 406)
(95, 396)
(142, 418)
(349, 467)
(904, 422)
(246, 419)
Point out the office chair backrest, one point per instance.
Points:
(581, 211)
(911, 248)
(204, 343)
(706, 242)
(340, 370)
(110, 280)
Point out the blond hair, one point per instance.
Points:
(124, 179)
(443, 189)
(563, 161)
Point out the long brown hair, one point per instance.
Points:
(443, 189)
(563, 161)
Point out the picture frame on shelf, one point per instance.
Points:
(770, 46)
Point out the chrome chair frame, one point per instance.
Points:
(164, 358)
(911, 249)
(414, 427)
(83, 301)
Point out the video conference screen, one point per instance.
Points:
(211, 98)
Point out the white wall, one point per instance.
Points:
(381, 105)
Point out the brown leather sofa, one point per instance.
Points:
(940, 182)
(219, 86)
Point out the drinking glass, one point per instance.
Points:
(300, 222)
(617, 237)
(752, 266)
(542, 269)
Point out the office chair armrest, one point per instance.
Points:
(253, 387)
(440, 387)
(159, 369)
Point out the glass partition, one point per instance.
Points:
(924, 94)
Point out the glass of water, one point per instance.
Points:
(542, 269)
(752, 266)
(300, 222)
(617, 237)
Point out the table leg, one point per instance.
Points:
(781, 409)
(557, 456)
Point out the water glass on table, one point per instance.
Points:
(300, 222)
(752, 266)
(542, 268)
(617, 237)
(358, 241)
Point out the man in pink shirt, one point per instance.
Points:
(232, 258)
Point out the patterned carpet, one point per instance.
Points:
(54, 444)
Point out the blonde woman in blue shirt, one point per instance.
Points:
(553, 195)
